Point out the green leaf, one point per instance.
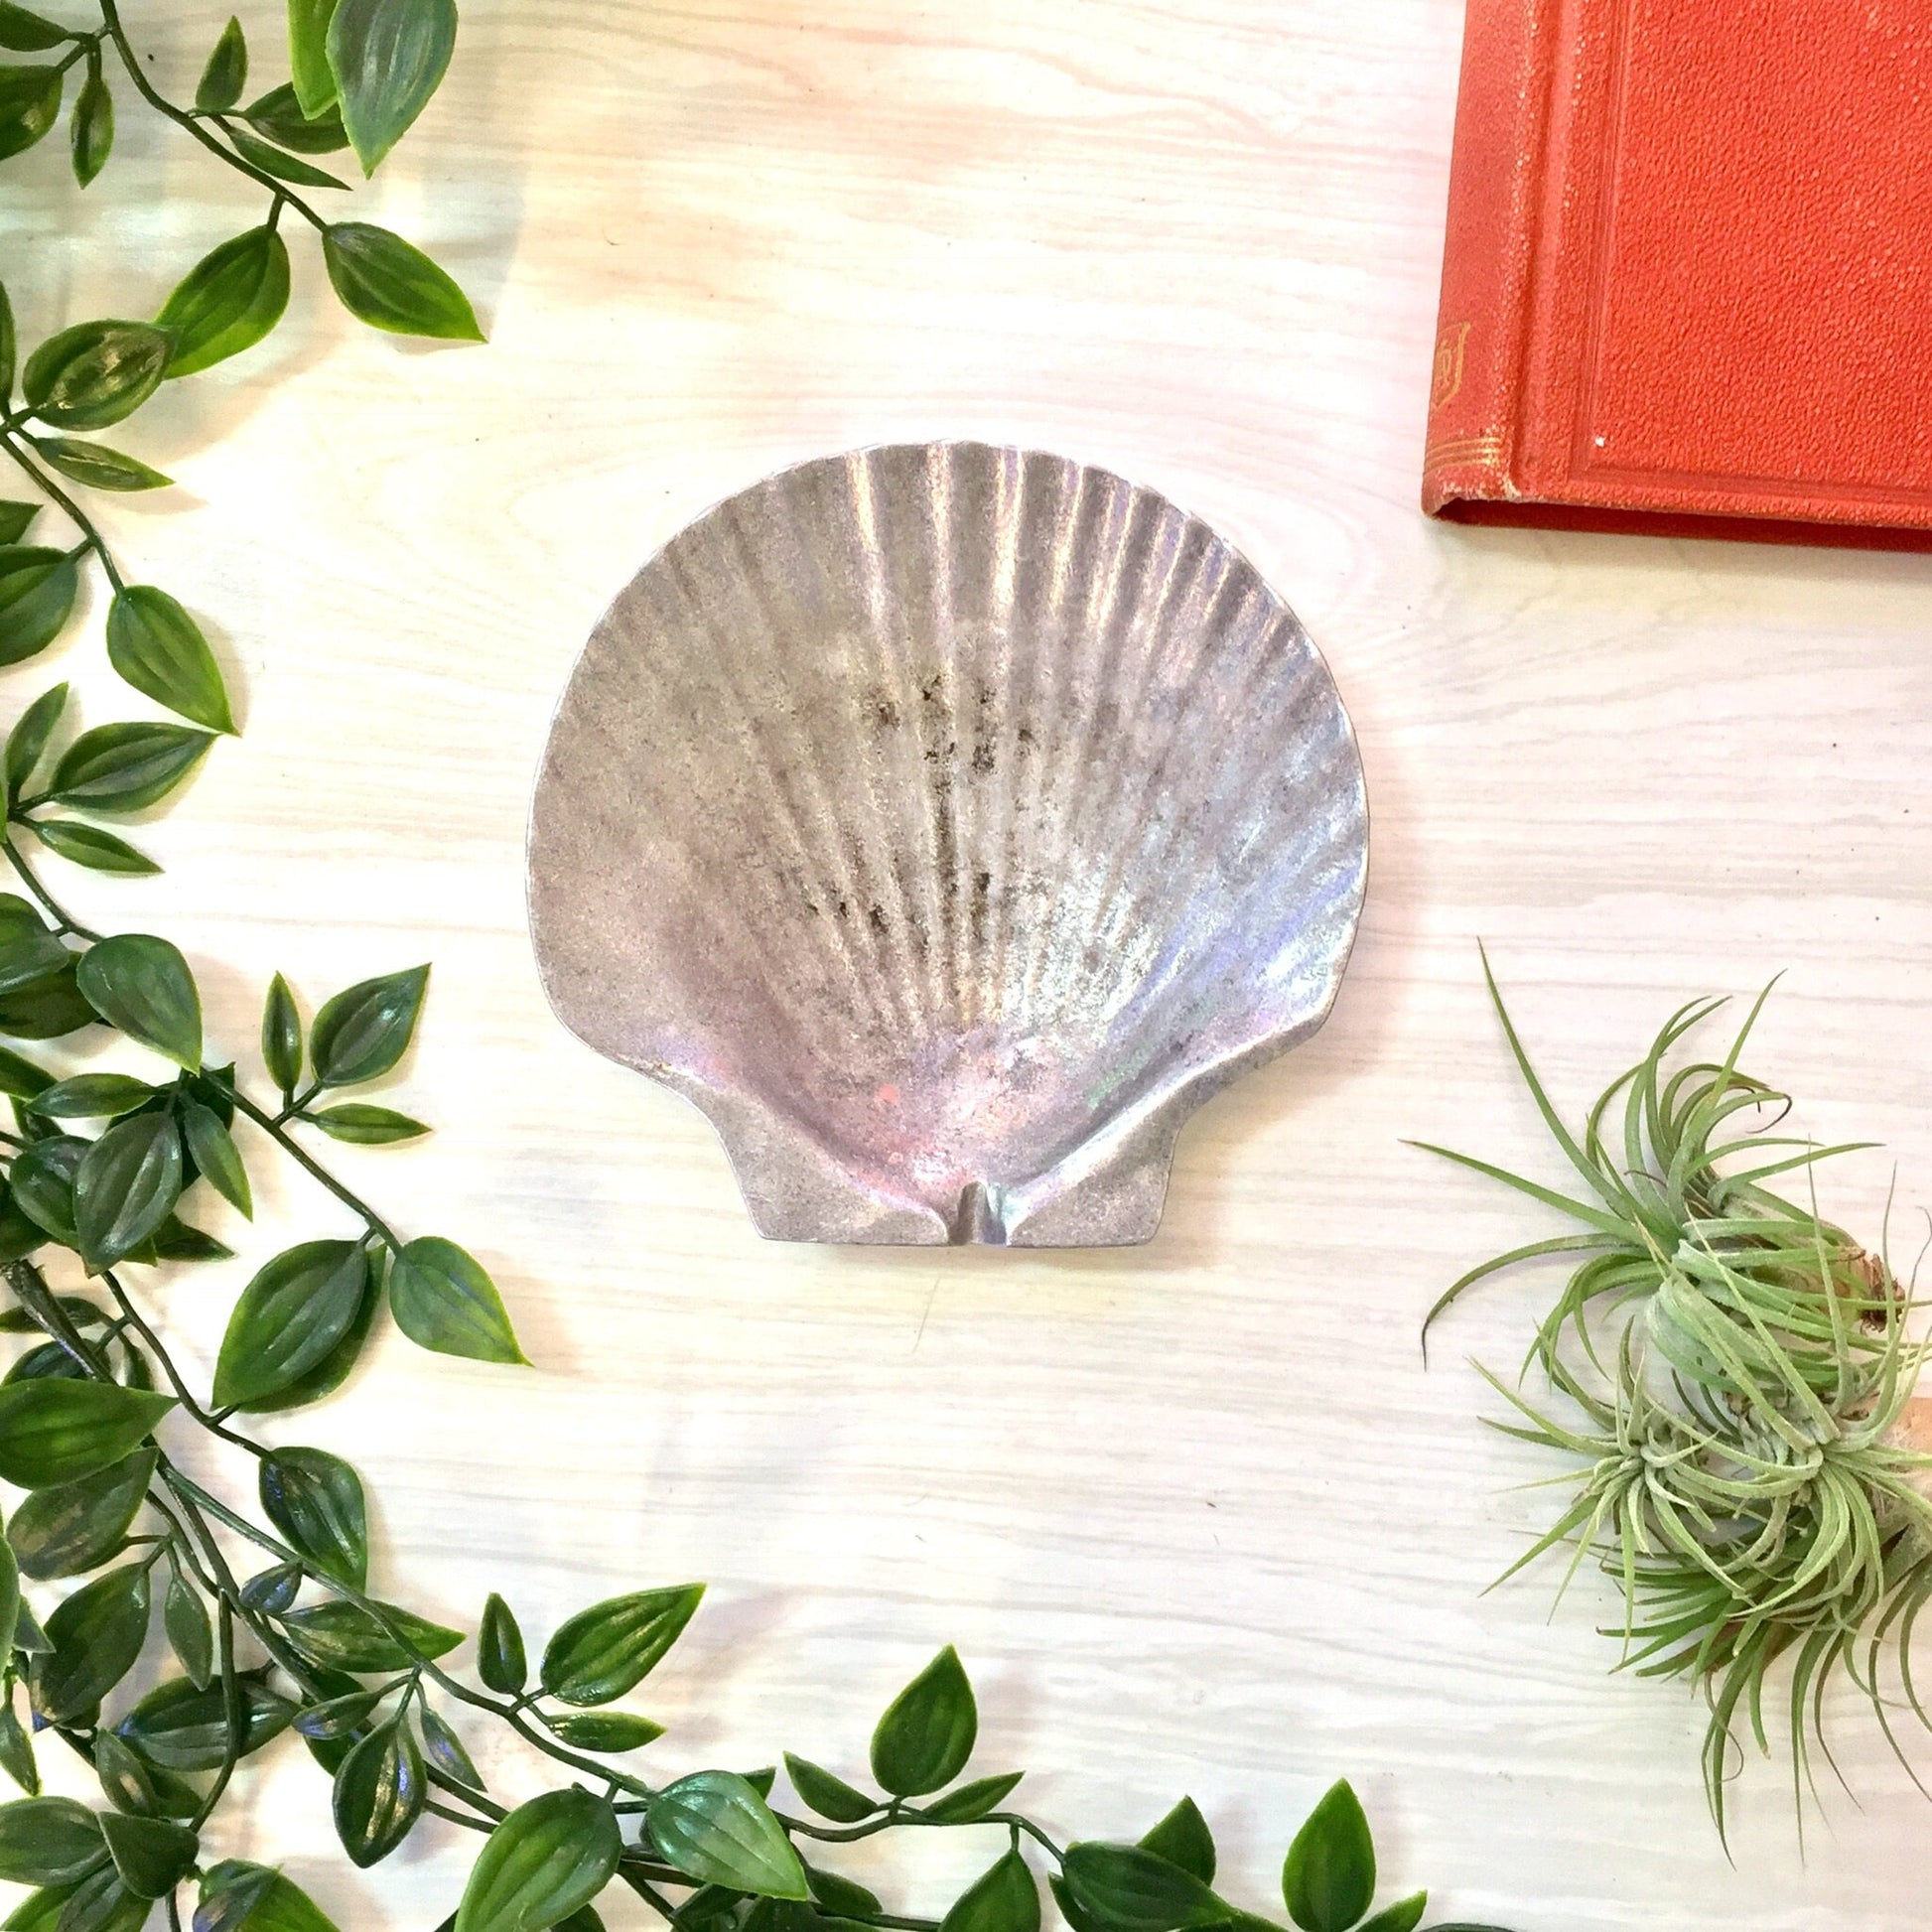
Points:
(500, 1649)
(971, 1802)
(388, 56)
(97, 1635)
(1127, 1888)
(1182, 1839)
(60, 1432)
(361, 1035)
(175, 1240)
(443, 1301)
(545, 1862)
(240, 1897)
(30, 104)
(159, 650)
(212, 1150)
(93, 1096)
(1005, 1898)
(9, 350)
(142, 987)
(364, 1126)
(226, 73)
(92, 127)
(315, 1500)
(607, 1650)
(15, 520)
(334, 1369)
(75, 1527)
(315, 81)
(38, 588)
(186, 1619)
(831, 1797)
(341, 1717)
(9, 1603)
(48, 1842)
(273, 1589)
(380, 1793)
(384, 281)
(97, 467)
(715, 1827)
(17, 1750)
(134, 1785)
(101, 1904)
(90, 845)
(278, 117)
(289, 1318)
(21, 1077)
(609, 1732)
(22, 32)
(444, 1749)
(838, 1896)
(126, 767)
(1404, 1916)
(284, 167)
(340, 1636)
(28, 953)
(127, 1186)
(181, 1727)
(27, 743)
(41, 1184)
(152, 1854)
(227, 301)
(927, 1733)
(1329, 1877)
(96, 373)
(282, 1035)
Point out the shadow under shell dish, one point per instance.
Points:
(948, 823)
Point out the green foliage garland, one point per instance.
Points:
(274, 1629)
(1731, 1372)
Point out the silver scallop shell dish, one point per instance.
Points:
(948, 823)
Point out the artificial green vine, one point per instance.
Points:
(273, 1629)
(1731, 1372)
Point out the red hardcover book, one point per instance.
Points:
(1688, 284)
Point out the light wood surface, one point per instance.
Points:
(1195, 1515)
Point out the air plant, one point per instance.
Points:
(1732, 1375)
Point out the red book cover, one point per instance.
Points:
(1688, 281)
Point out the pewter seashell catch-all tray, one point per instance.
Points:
(948, 823)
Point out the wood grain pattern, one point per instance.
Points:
(1196, 1515)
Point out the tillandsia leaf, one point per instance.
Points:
(546, 1860)
(92, 126)
(972, 1802)
(443, 1301)
(1127, 1888)
(928, 1731)
(75, 1527)
(362, 1033)
(159, 650)
(605, 1732)
(607, 1650)
(97, 1635)
(38, 588)
(1182, 1839)
(1005, 1898)
(831, 1797)
(344, 1636)
(96, 374)
(141, 986)
(152, 1854)
(500, 1649)
(289, 1318)
(379, 1794)
(388, 57)
(126, 767)
(315, 1499)
(715, 1827)
(60, 1432)
(30, 104)
(277, 116)
(1329, 1877)
(359, 1125)
(236, 1897)
(386, 282)
(48, 1841)
(227, 301)
(226, 73)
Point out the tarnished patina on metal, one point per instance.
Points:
(948, 823)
